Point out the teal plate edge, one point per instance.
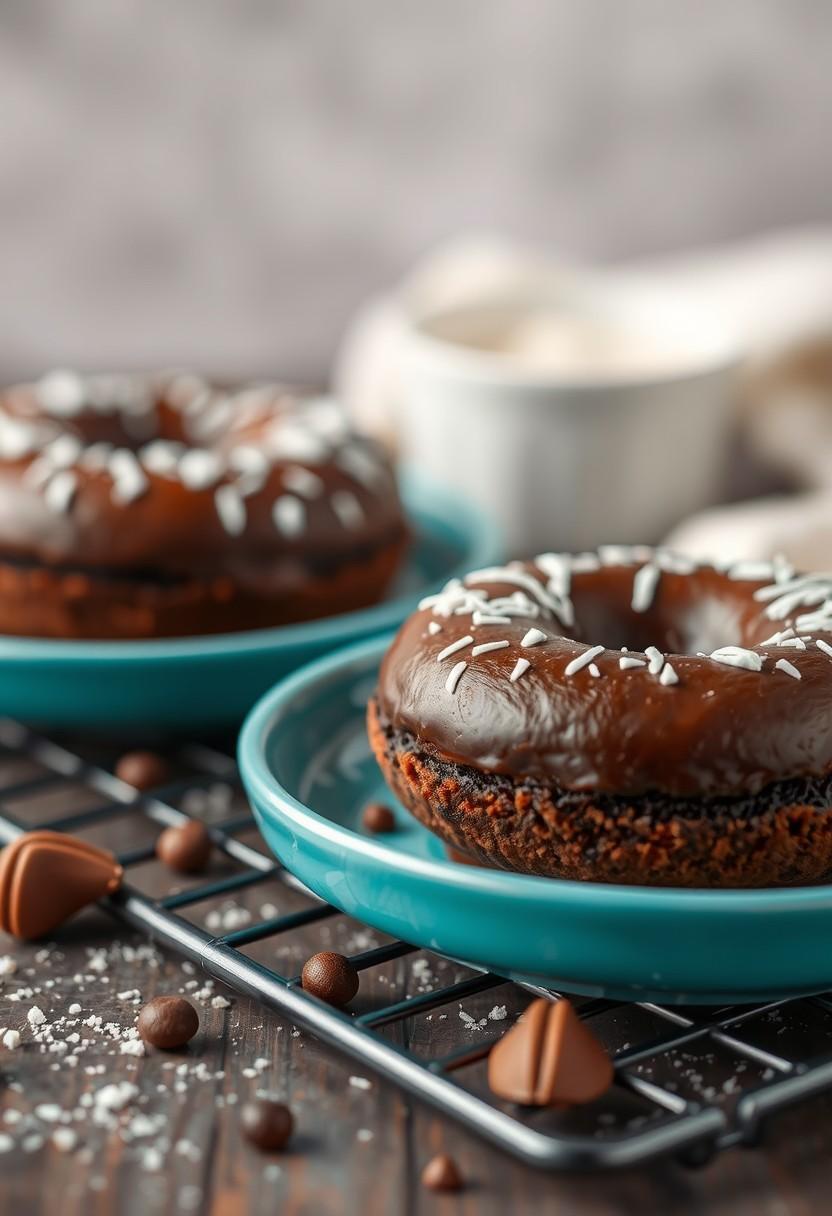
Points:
(634, 943)
(198, 684)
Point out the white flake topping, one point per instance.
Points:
(788, 668)
(627, 661)
(347, 507)
(644, 587)
(668, 675)
(459, 644)
(200, 468)
(520, 669)
(738, 656)
(455, 676)
(485, 647)
(289, 515)
(60, 491)
(302, 482)
(533, 638)
(582, 660)
(231, 509)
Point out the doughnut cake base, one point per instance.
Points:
(781, 836)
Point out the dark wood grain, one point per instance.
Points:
(357, 1149)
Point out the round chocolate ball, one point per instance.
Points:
(441, 1174)
(378, 818)
(168, 1022)
(185, 848)
(266, 1124)
(330, 977)
(142, 770)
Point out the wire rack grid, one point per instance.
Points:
(688, 1082)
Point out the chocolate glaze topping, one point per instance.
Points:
(175, 476)
(653, 674)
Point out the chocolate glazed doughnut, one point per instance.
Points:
(626, 716)
(137, 506)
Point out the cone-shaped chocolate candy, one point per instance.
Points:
(549, 1058)
(46, 876)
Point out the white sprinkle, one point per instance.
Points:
(289, 515)
(484, 648)
(64, 1139)
(558, 569)
(738, 656)
(626, 662)
(594, 670)
(777, 639)
(8, 965)
(520, 669)
(48, 1112)
(751, 571)
(11, 1040)
(824, 646)
(363, 1135)
(361, 1083)
(482, 618)
(583, 660)
(220, 1002)
(200, 468)
(585, 563)
(645, 582)
(129, 481)
(61, 392)
(533, 638)
(60, 491)
(788, 668)
(162, 456)
(96, 457)
(74, 1008)
(301, 481)
(36, 1016)
(656, 660)
(6, 1143)
(434, 627)
(231, 509)
(793, 643)
(131, 1047)
(347, 507)
(362, 464)
(668, 675)
(248, 460)
(63, 452)
(455, 676)
(460, 644)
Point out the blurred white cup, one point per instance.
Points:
(597, 414)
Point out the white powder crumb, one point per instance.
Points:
(363, 1135)
(361, 1083)
(498, 1014)
(33, 1143)
(11, 1039)
(49, 1112)
(220, 1002)
(114, 1097)
(250, 1073)
(152, 1160)
(6, 1143)
(75, 1008)
(8, 965)
(36, 1016)
(64, 1139)
(132, 1047)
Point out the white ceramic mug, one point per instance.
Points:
(570, 460)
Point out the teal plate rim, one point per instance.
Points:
(720, 931)
(422, 497)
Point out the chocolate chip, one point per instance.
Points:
(441, 1174)
(378, 818)
(45, 877)
(185, 848)
(330, 977)
(142, 770)
(266, 1124)
(168, 1022)
(549, 1058)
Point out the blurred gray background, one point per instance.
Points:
(223, 182)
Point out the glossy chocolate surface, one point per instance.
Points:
(719, 730)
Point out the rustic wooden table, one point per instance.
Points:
(177, 1148)
(87, 1126)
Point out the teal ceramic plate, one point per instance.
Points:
(308, 771)
(208, 683)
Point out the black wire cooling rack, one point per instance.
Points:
(688, 1082)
